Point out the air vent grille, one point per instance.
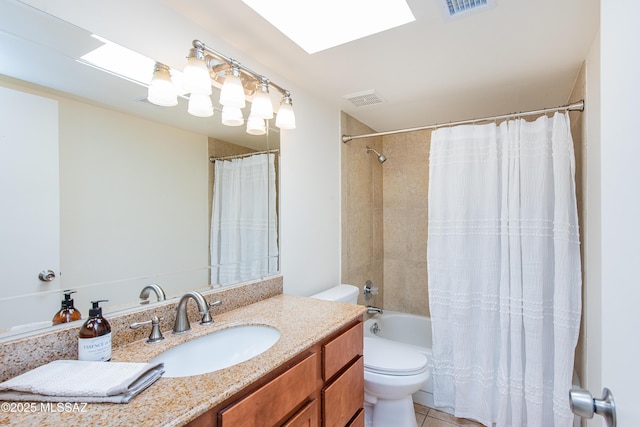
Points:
(364, 99)
(455, 8)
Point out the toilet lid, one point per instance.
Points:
(387, 357)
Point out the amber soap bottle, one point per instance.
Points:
(68, 312)
(94, 339)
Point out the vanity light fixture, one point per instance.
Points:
(261, 106)
(232, 92)
(256, 125)
(196, 73)
(162, 91)
(200, 105)
(285, 118)
(206, 67)
(232, 116)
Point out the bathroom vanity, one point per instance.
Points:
(322, 386)
(312, 376)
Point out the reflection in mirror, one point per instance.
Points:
(244, 238)
(128, 200)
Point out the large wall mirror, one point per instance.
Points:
(117, 193)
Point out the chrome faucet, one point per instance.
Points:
(182, 320)
(373, 310)
(156, 335)
(146, 291)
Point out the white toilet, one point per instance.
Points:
(392, 372)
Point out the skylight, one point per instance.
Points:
(125, 63)
(320, 25)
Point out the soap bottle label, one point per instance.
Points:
(96, 349)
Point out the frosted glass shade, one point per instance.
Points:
(161, 90)
(256, 125)
(196, 77)
(232, 116)
(261, 105)
(286, 119)
(232, 93)
(200, 105)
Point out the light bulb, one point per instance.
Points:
(162, 90)
(232, 92)
(286, 119)
(196, 77)
(232, 116)
(200, 105)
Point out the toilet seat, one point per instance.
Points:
(391, 358)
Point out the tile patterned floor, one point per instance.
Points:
(427, 417)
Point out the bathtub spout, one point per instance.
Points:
(373, 310)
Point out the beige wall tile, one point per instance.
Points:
(362, 222)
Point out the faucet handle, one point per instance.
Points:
(155, 335)
(369, 290)
(206, 316)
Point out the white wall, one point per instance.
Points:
(310, 200)
(134, 205)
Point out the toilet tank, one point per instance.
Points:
(342, 293)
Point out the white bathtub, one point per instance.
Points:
(415, 331)
(409, 329)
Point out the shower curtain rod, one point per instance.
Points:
(239, 156)
(577, 106)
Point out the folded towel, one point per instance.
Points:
(82, 381)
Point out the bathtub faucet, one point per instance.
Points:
(373, 310)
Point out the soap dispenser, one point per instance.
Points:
(94, 339)
(68, 312)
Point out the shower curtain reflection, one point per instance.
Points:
(244, 220)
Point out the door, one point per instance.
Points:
(30, 214)
(612, 302)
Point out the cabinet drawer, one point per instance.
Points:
(272, 402)
(305, 417)
(344, 396)
(340, 351)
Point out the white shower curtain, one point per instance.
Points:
(244, 221)
(504, 271)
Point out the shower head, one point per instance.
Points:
(381, 158)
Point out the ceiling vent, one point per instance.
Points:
(456, 8)
(364, 99)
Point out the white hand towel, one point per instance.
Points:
(94, 381)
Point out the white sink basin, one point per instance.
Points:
(217, 350)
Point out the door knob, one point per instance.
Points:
(584, 405)
(47, 275)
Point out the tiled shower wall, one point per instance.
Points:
(362, 240)
(385, 211)
(405, 179)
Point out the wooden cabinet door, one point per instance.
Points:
(308, 416)
(358, 420)
(268, 405)
(342, 399)
(338, 352)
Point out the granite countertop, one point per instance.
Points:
(301, 321)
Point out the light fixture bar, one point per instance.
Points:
(205, 66)
(197, 44)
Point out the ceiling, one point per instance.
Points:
(517, 56)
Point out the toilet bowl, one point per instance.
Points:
(392, 372)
